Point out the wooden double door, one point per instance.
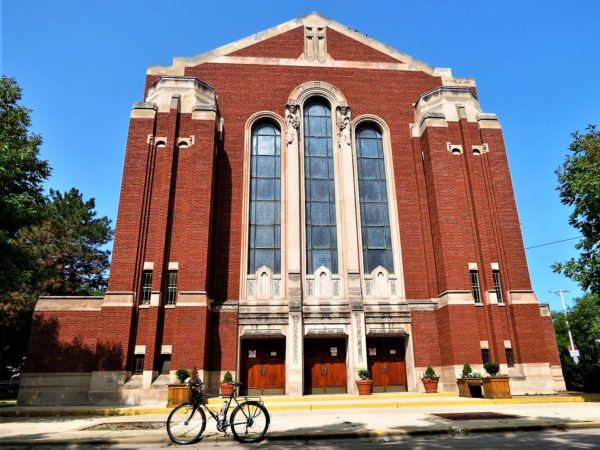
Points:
(263, 366)
(325, 366)
(385, 359)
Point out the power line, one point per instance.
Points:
(551, 243)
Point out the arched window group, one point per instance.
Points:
(320, 223)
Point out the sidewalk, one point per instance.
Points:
(297, 424)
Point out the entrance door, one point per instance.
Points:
(386, 364)
(325, 366)
(263, 366)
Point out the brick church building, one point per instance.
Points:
(297, 206)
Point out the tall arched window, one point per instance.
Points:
(264, 247)
(374, 211)
(321, 238)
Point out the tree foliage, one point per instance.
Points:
(584, 321)
(49, 244)
(579, 187)
(22, 174)
(67, 246)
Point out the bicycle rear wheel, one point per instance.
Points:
(186, 423)
(250, 422)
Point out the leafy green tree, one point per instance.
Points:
(584, 322)
(68, 246)
(579, 187)
(22, 174)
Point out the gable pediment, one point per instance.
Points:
(308, 40)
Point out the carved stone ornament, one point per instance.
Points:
(359, 336)
(295, 333)
(388, 317)
(326, 317)
(263, 319)
(343, 124)
(292, 122)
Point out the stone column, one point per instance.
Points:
(358, 346)
(293, 248)
(348, 202)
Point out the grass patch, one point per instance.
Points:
(7, 403)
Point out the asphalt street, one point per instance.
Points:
(574, 439)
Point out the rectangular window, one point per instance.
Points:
(497, 285)
(509, 357)
(146, 287)
(138, 364)
(165, 364)
(485, 355)
(171, 287)
(475, 292)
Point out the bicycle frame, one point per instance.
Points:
(221, 416)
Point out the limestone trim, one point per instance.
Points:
(522, 298)
(398, 274)
(311, 20)
(118, 299)
(449, 104)
(190, 91)
(192, 298)
(69, 303)
(144, 110)
(245, 277)
(455, 298)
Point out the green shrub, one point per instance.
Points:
(492, 368)
(227, 378)
(467, 371)
(364, 374)
(182, 375)
(430, 373)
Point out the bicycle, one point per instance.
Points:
(249, 420)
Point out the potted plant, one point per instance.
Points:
(179, 392)
(364, 383)
(469, 384)
(430, 380)
(226, 386)
(495, 386)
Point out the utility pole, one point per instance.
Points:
(572, 351)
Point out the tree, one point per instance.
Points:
(579, 187)
(584, 322)
(22, 174)
(67, 246)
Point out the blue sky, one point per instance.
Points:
(81, 64)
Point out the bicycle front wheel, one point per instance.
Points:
(249, 422)
(186, 423)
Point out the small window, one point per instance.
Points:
(497, 286)
(485, 355)
(456, 151)
(165, 364)
(138, 364)
(475, 291)
(510, 362)
(171, 287)
(476, 151)
(146, 287)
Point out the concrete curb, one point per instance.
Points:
(299, 406)
(285, 436)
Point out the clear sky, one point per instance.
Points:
(81, 64)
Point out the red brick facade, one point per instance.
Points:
(185, 204)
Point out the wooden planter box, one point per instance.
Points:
(178, 394)
(496, 387)
(469, 387)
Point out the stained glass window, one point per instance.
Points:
(374, 210)
(321, 238)
(264, 247)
